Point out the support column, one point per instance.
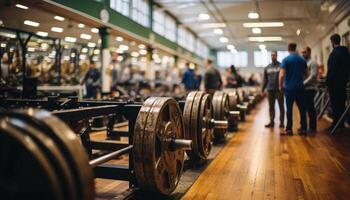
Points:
(58, 56)
(151, 72)
(23, 42)
(105, 59)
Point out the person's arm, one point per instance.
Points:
(265, 79)
(313, 73)
(281, 76)
(206, 80)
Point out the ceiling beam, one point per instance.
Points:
(172, 2)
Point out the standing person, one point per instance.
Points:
(291, 80)
(270, 83)
(337, 78)
(188, 78)
(92, 81)
(310, 84)
(115, 70)
(212, 78)
(197, 79)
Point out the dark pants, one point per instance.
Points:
(91, 92)
(297, 96)
(337, 97)
(310, 108)
(274, 95)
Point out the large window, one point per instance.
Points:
(137, 10)
(201, 49)
(121, 6)
(226, 59)
(186, 39)
(140, 12)
(263, 58)
(164, 25)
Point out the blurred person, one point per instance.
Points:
(270, 83)
(173, 77)
(115, 69)
(92, 81)
(212, 78)
(310, 84)
(291, 81)
(188, 78)
(231, 81)
(197, 79)
(252, 81)
(337, 78)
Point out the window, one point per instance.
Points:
(181, 36)
(263, 58)
(186, 39)
(226, 59)
(121, 6)
(158, 22)
(170, 28)
(140, 12)
(201, 49)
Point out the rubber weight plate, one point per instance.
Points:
(220, 108)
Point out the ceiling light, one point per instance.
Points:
(85, 36)
(3, 45)
(91, 45)
(234, 51)
(262, 46)
(132, 43)
(124, 47)
(253, 15)
(72, 55)
(135, 54)
(66, 58)
(30, 49)
(143, 52)
(9, 35)
(82, 57)
(230, 46)
(70, 39)
(84, 50)
(42, 33)
(263, 24)
(96, 51)
(119, 39)
(223, 39)
(203, 16)
(21, 6)
(59, 18)
(94, 30)
(44, 46)
(31, 23)
(265, 39)
(120, 58)
(214, 25)
(256, 30)
(298, 31)
(57, 29)
(218, 31)
(185, 5)
(95, 58)
(142, 46)
(81, 25)
(120, 51)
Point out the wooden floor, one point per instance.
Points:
(258, 163)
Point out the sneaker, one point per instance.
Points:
(281, 125)
(269, 125)
(287, 132)
(301, 131)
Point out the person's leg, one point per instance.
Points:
(339, 108)
(300, 100)
(289, 104)
(310, 108)
(280, 100)
(271, 99)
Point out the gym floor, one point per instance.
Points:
(258, 163)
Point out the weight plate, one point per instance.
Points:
(206, 136)
(192, 108)
(233, 98)
(220, 108)
(198, 108)
(161, 166)
(71, 148)
(25, 172)
(52, 153)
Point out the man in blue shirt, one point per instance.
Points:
(294, 69)
(188, 78)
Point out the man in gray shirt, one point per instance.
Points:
(310, 84)
(270, 83)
